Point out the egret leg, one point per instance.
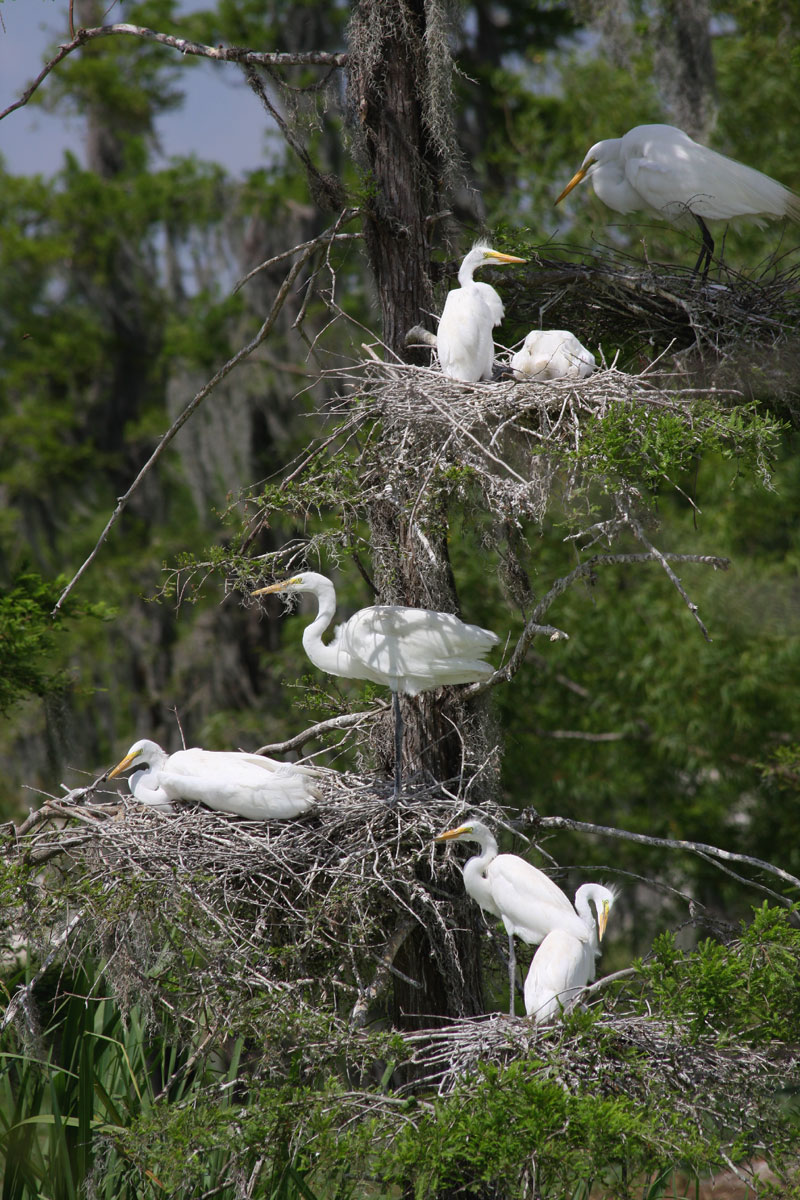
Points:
(512, 974)
(704, 258)
(398, 745)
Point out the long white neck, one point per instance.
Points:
(474, 871)
(322, 656)
(468, 267)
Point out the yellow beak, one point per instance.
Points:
(576, 179)
(273, 587)
(126, 762)
(602, 920)
(505, 258)
(451, 833)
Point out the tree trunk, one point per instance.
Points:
(395, 89)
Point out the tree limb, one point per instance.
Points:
(234, 54)
(344, 721)
(225, 369)
(529, 817)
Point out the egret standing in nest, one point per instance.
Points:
(526, 900)
(659, 168)
(464, 338)
(248, 785)
(408, 650)
(564, 964)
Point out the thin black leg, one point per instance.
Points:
(704, 258)
(512, 974)
(398, 745)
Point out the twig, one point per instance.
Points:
(181, 420)
(508, 670)
(344, 721)
(22, 996)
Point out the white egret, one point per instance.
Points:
(408, 650)
(564, 964)
(249, 785)
(464, 338)
(553, 354)
(660, 168)
(526, 900)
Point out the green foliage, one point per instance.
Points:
(746, 990)
(32, 658)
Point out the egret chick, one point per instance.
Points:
(464, 338)
(660, 169)
(564, 964)
(408, 650)
(248, 785)
(553, 354)
(526, 900)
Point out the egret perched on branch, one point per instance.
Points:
(660, 168)
(464, 338)
(553, 354)
(564, 964)
(249, 785)
(526, 900)
(408, 650)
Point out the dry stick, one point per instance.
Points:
(235, 54)
(640, 534)
(358, 1016)
(341, 722)
(530, 816)
(184, 417)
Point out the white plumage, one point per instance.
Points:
(564, 964)
(249, 785)
(660, 169)
(464, 341)
(408, 650)
(553, 354)
(526, 900)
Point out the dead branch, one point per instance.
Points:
(206, 390)
(234, 54)
(530, 818)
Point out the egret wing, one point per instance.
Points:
(464, 337)
(557, 972)
(418, 648)
(530, 903)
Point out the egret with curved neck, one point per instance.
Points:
(526, 900)
(408, 650)
(660, 169)
(563, 964)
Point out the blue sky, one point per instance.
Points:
(219, 120)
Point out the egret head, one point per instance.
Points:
(603, 899)
(143, 751)
(470, 831)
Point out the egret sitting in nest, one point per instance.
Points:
(553, 354)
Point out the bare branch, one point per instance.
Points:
(304, 254)
(234, 54)
(344, 721)
(358, 1017)
(22, 996)
(531, 818)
